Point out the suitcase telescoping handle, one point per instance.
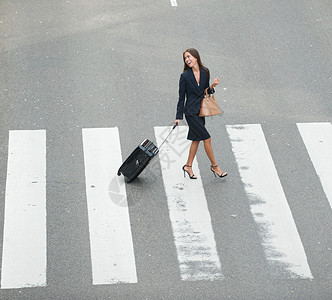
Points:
(168, 135)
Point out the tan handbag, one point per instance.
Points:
(209, 106)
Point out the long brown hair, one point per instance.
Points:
(195, 54)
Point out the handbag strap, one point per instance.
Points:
(206, 94)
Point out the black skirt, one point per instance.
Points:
(197, 130)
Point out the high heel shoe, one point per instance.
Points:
(223, 174)
(184, 172)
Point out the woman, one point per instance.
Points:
(193, 81)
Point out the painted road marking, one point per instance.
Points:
(24, 241)
(317, 138)
(268, 204)
(189, 214)
(112, 251)
(174, 3)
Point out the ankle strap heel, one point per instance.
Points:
(185, 171)
(223, 174)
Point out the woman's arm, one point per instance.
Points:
(211, 90)
(182, 94)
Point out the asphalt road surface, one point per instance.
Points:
(83, 82)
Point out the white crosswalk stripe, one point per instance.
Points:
(24, 241)
(111, 242)
(268, 204)
(112, 252)
(318, 140)
(190, 217)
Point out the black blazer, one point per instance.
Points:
(193, 93)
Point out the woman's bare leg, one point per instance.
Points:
(192, 153)
(209, 152)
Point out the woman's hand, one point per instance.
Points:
(216, 81)
(177, 122)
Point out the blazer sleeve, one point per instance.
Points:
(210, 91)
(182, 95)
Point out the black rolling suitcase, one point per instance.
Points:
(139, 159)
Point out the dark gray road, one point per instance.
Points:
(69, 64)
